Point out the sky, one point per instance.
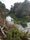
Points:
(8, 3)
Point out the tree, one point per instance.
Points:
(3, 12)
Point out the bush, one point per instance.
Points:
(24, 24)
(13, 34)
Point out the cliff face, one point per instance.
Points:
(21, 9)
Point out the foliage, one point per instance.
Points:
(24, 24)
(20, 16)
(14, 34)
(3, 10)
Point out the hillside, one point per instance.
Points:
(20, 12)
(21, 9)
